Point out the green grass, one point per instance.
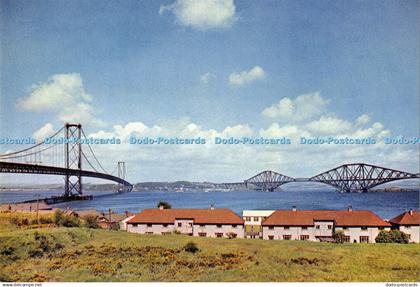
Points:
(80, 254)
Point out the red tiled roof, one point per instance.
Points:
(200, 216)
(307, 218)
(406, 218)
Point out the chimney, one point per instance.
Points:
(349, 208)
(293, 208)
(410, 211)
(212, 207)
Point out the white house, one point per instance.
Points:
(409, 223)
(253, 220)
(318, 225)
(196, 222)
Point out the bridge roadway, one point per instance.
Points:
(11, 167)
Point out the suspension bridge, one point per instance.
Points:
(62, 154)
(354, 177)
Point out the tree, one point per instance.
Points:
(392, 236)
(339, 236)
(164, 205)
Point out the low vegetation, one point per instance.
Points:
(392, 236)
(52, 253)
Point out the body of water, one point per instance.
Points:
(385, 204)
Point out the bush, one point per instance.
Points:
(45, 220)
(164, 204)
(70, 221)
(339, 236)
(91, 221)
(392, 236)
(58, 216)
(191, 247)
(231, 235)
(62, 219)
(115, 227)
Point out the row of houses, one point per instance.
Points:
(358, 226)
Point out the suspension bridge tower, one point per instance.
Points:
(121, 174)
(73, 159)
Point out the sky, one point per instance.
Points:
(215, 68)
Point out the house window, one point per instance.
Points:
(234, 225)
(407, 226)
(270, 237)
(202, 225)
(165, 225)
(286, 228)
(219, 234)
(329, 226)
(364, 239)
(304, 237)
(247, 218)
(345, 228)
(219, 226)
(179, 224)
(256, 218)
(364, 228)
(271, 227)
(202, 234)
(149, 225)
(287, 237)
(347, 238)
(317, 226)
(135, 224)
(381, 228)
(190, 224)
(304, 227)
(409, 236)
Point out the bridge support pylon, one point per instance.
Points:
(121, 174)
(73, 159)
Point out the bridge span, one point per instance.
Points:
(354, 177)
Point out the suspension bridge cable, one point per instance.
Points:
(23, 150)
(83, 132)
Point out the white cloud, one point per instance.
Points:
(64, 95)
(44, 132)
(363, 120)
(301, 108)
(202, 14)
(246, 77)
(329, 126)
(205, 78)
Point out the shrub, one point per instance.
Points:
(115, 226)
(45, 220)
(58, 216)
(191, 247)
(392, 236)
(91, 221)
(231, 235)
(70, 221)
(164, 204)
(339, 236)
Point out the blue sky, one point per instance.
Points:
(140, 61)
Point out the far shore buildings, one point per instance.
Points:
(409, 223)
(196, 222)
(358, 226)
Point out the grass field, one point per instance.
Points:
(80, 254)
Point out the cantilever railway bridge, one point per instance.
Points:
(354, 177)
(63, 155)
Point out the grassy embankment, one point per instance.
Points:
(54, 253)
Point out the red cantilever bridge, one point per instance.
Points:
(63, 155)
(355, 177)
